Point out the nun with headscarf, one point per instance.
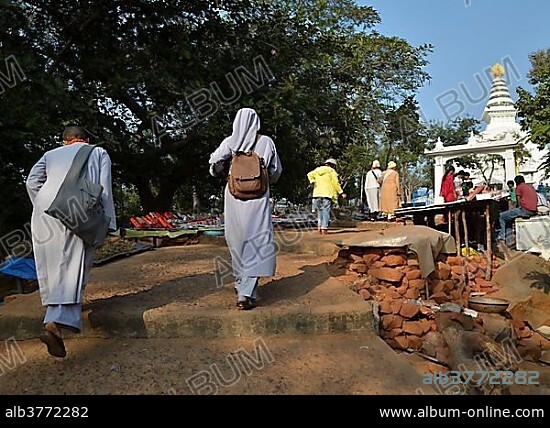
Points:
(248, 226)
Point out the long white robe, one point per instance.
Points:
(63, 261)
(372, 189)
(248, 224)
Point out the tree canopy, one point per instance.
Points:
(534, 108)
(158, 82)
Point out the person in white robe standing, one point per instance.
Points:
(372, 189)
(63, 260)
(248, 224)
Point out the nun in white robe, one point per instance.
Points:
(248, 224)
(63, 260)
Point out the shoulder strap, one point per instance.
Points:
(258, 136)
(79, 161)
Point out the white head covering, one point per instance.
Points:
(331, 161)
(245, 127)
(376, 164)
(392, 165)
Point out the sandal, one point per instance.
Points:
(247, 304)
(52, 339)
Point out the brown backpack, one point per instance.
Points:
(248, 178)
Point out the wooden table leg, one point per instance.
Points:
(489, 243)
(466, 243)
(457, 232)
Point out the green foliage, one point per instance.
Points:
(133, 73)
(534, 108)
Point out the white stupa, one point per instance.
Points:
(501, 117)
(502, 136)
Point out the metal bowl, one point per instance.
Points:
(487, 304)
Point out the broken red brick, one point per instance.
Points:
(413, 327)
(413, 262)
(417, 283)
(361, 285)
(396, 306)
(394, 260)
(457, 269)
(369, 259)
(359, 267)
(427, 325)
(402, 342)
(390, 334)
(472, 267)
(402, 290)
(442, 271)
(387, 274)
(385, 307)
(409, 310)
(457, 277)
(414, 274)
(412, 293)
(356, 258)
(440, 297)
(388, 322)
(437, 286)
(415, 342)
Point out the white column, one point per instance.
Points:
(439, 166)
(509, 164)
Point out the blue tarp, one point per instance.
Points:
(20, 268)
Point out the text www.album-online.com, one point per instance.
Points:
(486, 412)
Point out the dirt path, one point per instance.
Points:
(352, 363)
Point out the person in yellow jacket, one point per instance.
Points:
(326, 190)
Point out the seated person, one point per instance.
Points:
(467, 184)
(512, 191)
(527, 200)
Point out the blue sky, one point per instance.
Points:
(468, 40)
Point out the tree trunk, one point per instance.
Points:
(162, 201)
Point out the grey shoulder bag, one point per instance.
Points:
(78, 203)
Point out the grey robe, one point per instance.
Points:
(63, 261)
(248, 225)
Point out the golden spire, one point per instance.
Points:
(497, 70)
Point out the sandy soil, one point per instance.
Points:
(353, 363)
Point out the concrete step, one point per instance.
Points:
(173, 292)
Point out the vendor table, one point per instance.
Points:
(156, 234)
(456, 215)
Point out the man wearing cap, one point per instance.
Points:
(372, 188)
(326, 189)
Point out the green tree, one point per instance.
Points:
(534, 108)
(158, 82)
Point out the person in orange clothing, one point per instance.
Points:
(390, 196)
